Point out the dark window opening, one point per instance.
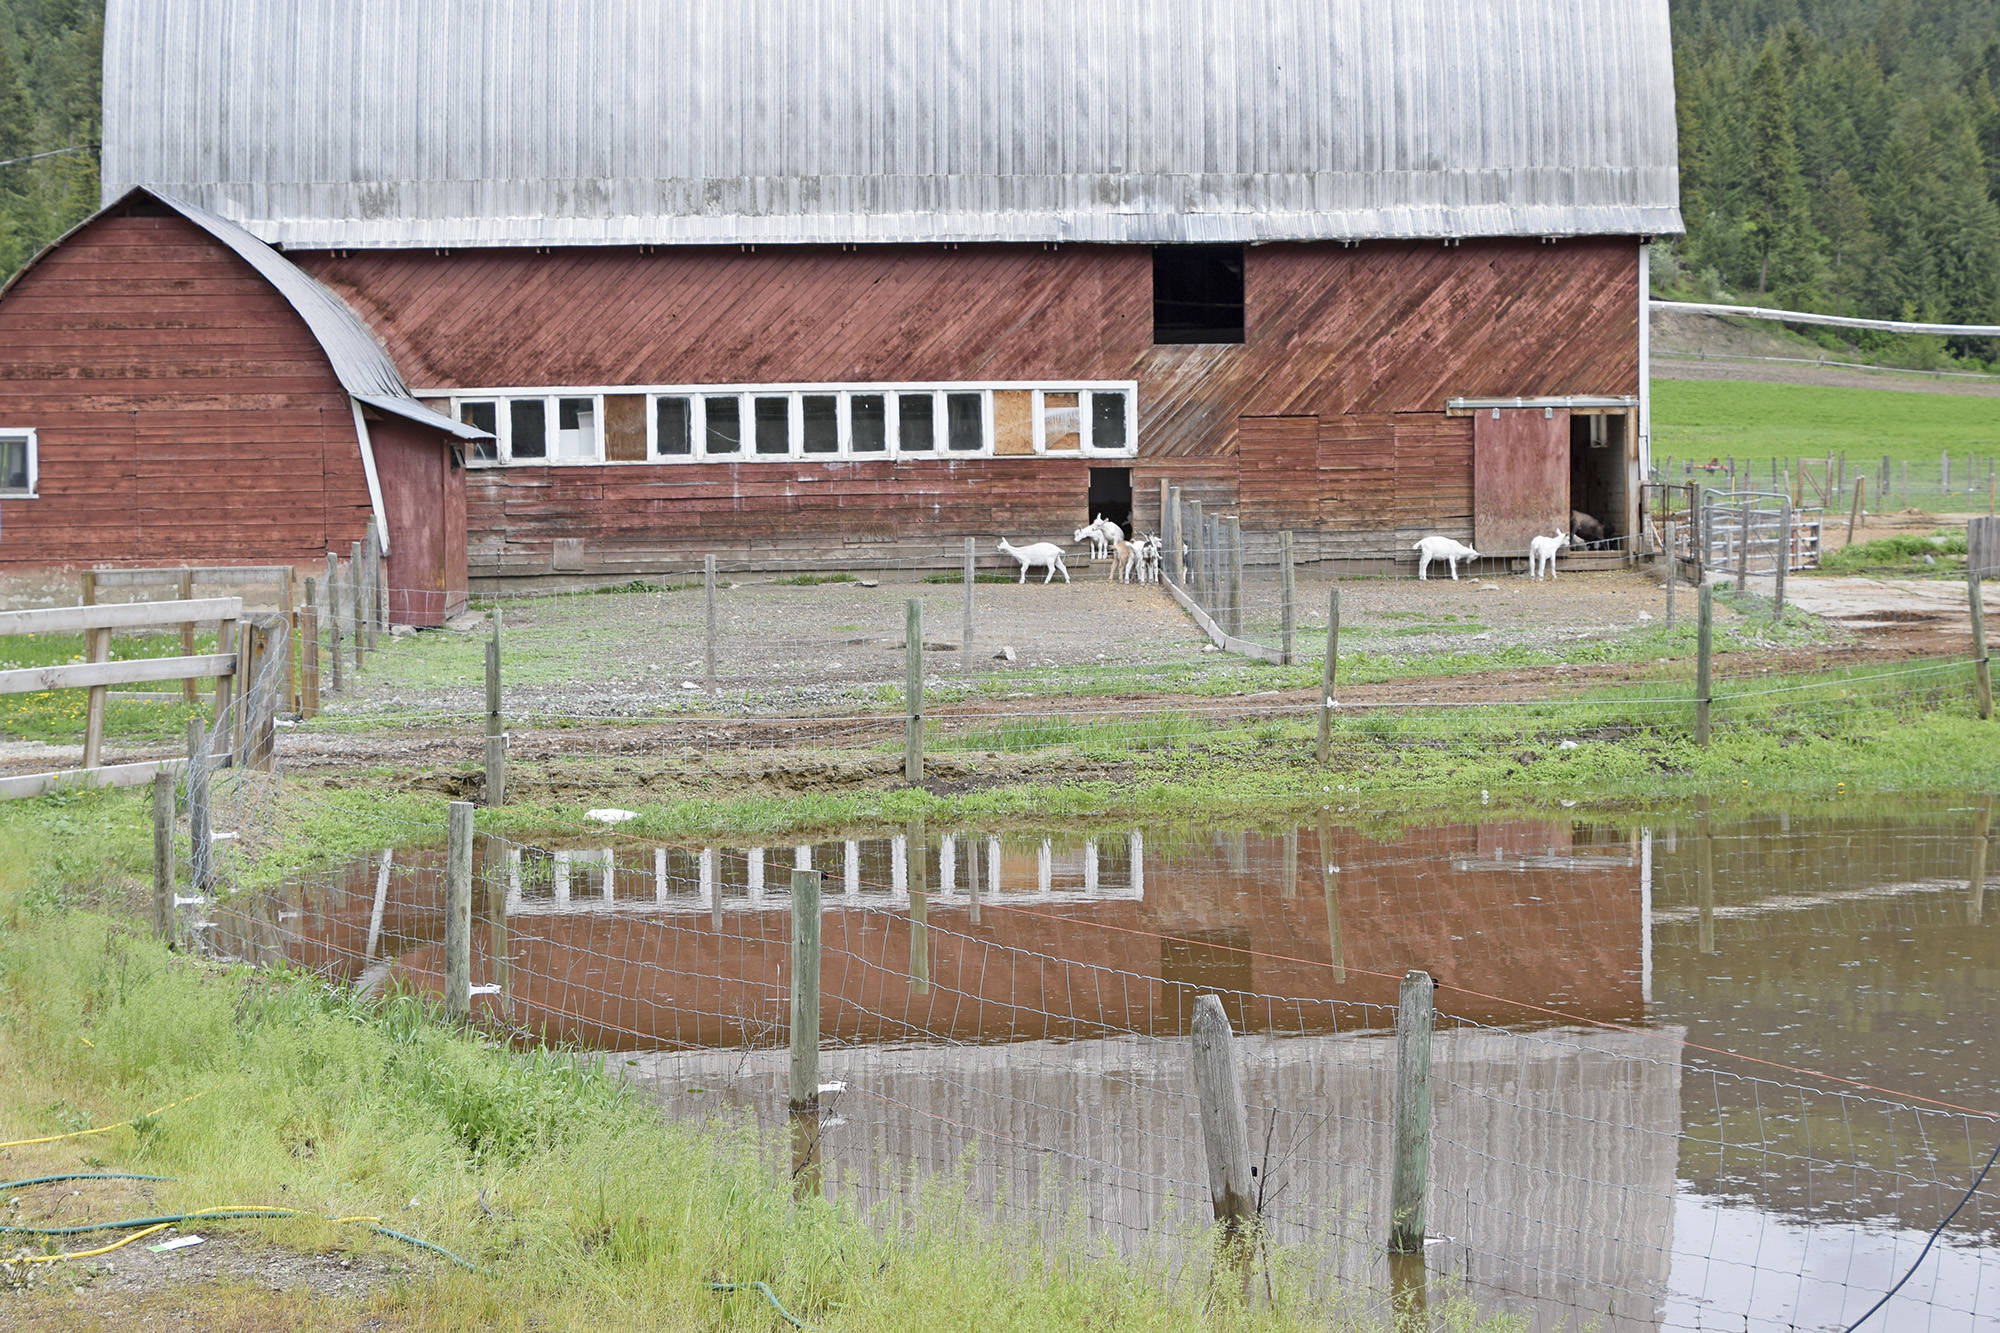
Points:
(820, 425)
(725, 426)
(916, 423)
(673, 427)
(869, 423)
(486, 417)
(1107, 420)
(1111, 495)
(774, 425)
(528, 419)
(1198, 294)
(965, 422)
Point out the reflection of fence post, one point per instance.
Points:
(1982, 829)
(1982, 672)
(1785, 551)
(708, 585)
(1704, 869)
(496, 739)
(1326, 677)
(201, 846)
(1704, 649)
(916, 855)
(1225, 1128)
(913, 690)
(1673, 570)
(1233, 541)
(163, 856)
(1416, 1018)
(971, 578)
(458, 914)
(1174, 539)
(1287, 593)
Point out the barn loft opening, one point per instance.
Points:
(1197, 293)
(1598, 476)
(1111, 495)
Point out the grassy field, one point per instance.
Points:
(1700, 419)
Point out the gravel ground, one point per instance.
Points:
(841, 645)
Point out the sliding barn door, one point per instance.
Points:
(1520, 477)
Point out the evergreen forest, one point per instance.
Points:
(1838, 155)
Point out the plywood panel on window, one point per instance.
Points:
(1013, 422)
(625, 427)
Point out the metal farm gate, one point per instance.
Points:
(1746, 531)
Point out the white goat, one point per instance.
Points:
(1542, 554)
(1037, 553)
(1441, 548)
(1148, 549)
(1102, 534)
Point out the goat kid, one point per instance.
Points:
(1441, 548)
(1124, 555)
(1037, 553)
(1149, 559)
(1542, 553)
(1101, 533)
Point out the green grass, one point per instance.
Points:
(585, 1208)
(57, 716)
(1701, 419)
(813, 580)
(1902, 553)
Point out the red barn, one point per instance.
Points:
(798, 278)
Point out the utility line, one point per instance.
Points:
(53, 152)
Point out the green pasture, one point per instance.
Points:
(1701, 419)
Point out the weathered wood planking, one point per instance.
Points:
(184, 410)
(1369, 341)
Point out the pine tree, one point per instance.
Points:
(1779, 217)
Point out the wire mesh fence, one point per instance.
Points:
(1963, 483)
(1006, 1012)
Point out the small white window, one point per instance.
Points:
(916, 423)
(965, 418)
(482, 415)
(527, 429)
(722, 431)
(868, 423)
(18, 474)
(1110, 426)
(673, 427)
(576, 430)
(820, 422)
(773, 418)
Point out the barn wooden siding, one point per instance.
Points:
(1351, 355)
(185, 411)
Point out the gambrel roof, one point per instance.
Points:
(453, 123)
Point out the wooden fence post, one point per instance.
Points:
(1673, 570)
(496, 739)
(163, 856)
(1326, 677)
(277, 653)
(1225, 1128)
(378, 609)
(1704, 649)
(913, 690)
(236, 743)
(1176, 538)
(99, 641)
(1743, 514)
(708, 586)
(357, 574)
(185, 592)
(1233, 543)
(333, 606)
(458, 914)
(804, 1087)
(1853, 514)
(1416, 1018)
(1785, 551)
(309, 650)
(288, 623)
(1287, 596)
(1198, 555)
(201, 844)
(226, 686)
(971, 560)
(1982, 672)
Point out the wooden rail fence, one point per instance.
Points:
(97, 673)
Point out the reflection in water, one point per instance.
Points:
(1026, 998)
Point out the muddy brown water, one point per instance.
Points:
(1693, 1072)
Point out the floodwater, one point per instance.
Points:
(1691, 1072)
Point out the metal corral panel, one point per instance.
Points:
(400, 123)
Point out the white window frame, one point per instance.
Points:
(32, 439)
(503, 426)
(746, 396)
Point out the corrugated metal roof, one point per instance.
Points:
(396, 123)
(360, 363)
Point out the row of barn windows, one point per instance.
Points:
(776, 422)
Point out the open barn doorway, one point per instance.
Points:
(1111, 495)
(1600, 474)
